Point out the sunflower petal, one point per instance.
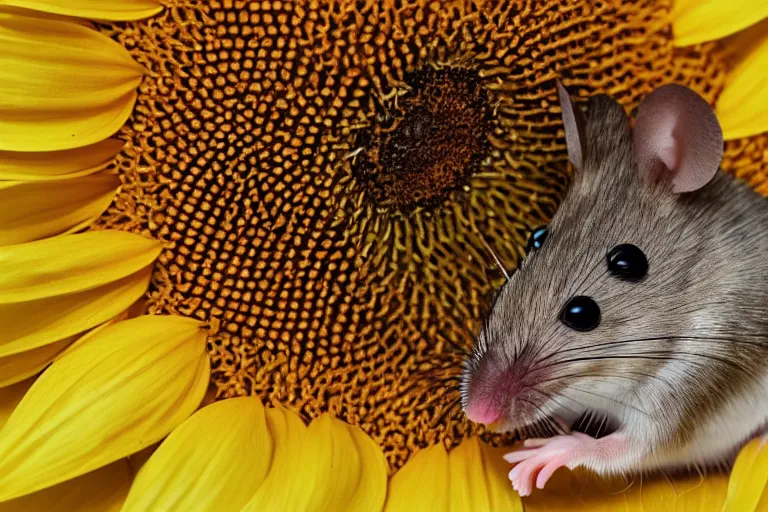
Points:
(217, 458)
(72, 263)
(103, 490)
(742, 107)
(36, 323)
(410, 489)
(594, 494)
(57, 165)
(111, 394)
(695, 493)
(358, 478)
(31, 211)
(288, 485)
(10, 397)
(697, 21)
(125, 10)
(473, 477)
(371, 491)
(478, 479)
(62, 85)
(749, 478)
(17, 367)
(686, 494)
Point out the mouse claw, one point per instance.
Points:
(518, 456)
(536, 442)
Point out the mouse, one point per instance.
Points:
(643, 302)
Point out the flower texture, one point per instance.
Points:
(245, 244)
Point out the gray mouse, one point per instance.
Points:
(645, 301)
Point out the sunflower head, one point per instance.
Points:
(318, 185)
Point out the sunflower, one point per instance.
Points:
(244, 243)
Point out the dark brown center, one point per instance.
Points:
(428, 142)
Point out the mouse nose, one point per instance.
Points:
(483, 411)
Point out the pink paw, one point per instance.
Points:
(542, 457)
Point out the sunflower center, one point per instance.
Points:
(434, 141)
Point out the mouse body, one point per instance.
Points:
(645, 303)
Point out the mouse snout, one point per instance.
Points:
(491, 396)
(483, 411)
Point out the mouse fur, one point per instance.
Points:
(679, 359)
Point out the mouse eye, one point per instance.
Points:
(628, 262)
(581, 313)
(537, 238)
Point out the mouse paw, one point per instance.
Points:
(540, 458)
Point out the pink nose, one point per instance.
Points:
(481, 411)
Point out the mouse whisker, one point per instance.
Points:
(711, 339)
(543, 346)
(590, 415)
(664, 355)
(449, 409)
(630, 483)
(593, 346)
(603, 423)
(596, 375)
(612, 400)
(553, 397)
(493, 254)
(612, 376)
(544, 426)
(464, 350)
(544, 414)
(439, 376)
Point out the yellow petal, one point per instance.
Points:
(288, 485)
(31, 211)
(422, 484)
(109, 395)
(10, 398)
(749, 478)
(340, 467)
(578, 491)
(371, 490)
(694, 493)
(697, 21)
(215, 460)
(478, 479)
(72, 263)
(742, 107)
(352, 472)
(62, 85)
(582, 491)
(17, 367)
(56, 165)
(44, 15)
(472, 478)
(37, 323)
(103, 490)
(124, 10)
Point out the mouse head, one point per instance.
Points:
(588, 291)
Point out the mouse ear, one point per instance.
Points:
(677, 137)
(573, 119)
